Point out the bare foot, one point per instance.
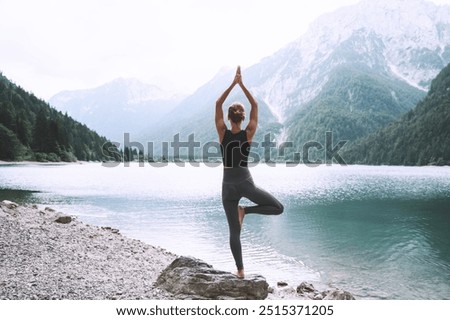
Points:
(240, 274)
(241, 212)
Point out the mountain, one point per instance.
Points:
(391, 42)
(118, 107)
(420, 137)
(352, 72)
(32, 130)
(195, 115)
(354, 102)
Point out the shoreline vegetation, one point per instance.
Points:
(380, 131)
(47, 255)
(112, 164)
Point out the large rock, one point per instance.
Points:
(307, 290)
(337, 294)
(9, 204)
(305, 287)
(190, 278)
(64, 219)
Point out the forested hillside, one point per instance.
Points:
(354, 103)
(420, 137)
(32, 130)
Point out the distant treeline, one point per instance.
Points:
(357, 107)
(32, 130)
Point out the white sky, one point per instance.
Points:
(51, 45)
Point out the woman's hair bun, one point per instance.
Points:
(236, 112)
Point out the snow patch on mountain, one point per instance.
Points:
(400, 75)
(408, 39)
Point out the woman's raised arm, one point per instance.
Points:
(220, 122)
(253, 122)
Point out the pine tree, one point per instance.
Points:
(10, 147)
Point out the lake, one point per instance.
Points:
(379, 232)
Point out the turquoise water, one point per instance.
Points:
(378, 232)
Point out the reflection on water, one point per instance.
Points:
(21, 196)
(379, 232)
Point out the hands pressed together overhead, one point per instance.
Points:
(219, 120)
(238, 77)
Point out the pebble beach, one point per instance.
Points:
(47, 255)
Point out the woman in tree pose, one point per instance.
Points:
(237, 180)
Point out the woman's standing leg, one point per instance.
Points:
(230, 201)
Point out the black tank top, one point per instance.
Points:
(235, 149)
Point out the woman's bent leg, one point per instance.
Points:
(265, 202)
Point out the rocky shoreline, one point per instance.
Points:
(47, 255)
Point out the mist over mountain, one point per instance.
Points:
(195, 114)
(118, 107)
(354, 71)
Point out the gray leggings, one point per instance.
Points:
(238, 183)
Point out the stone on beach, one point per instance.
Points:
(9, 204)
(307, 289)
(64, 219)
(337, 294)
(191, 278)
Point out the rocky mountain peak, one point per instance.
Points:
(409, 40)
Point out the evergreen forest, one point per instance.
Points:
(420, 137)
(30, 129)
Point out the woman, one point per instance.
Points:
(237, 180)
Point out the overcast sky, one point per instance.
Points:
(51, 45)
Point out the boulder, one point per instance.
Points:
(337, 294)
(64, 219)
(307, 290)
(318, 296)
(9, 204)
(305, 287)
(190, 278)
